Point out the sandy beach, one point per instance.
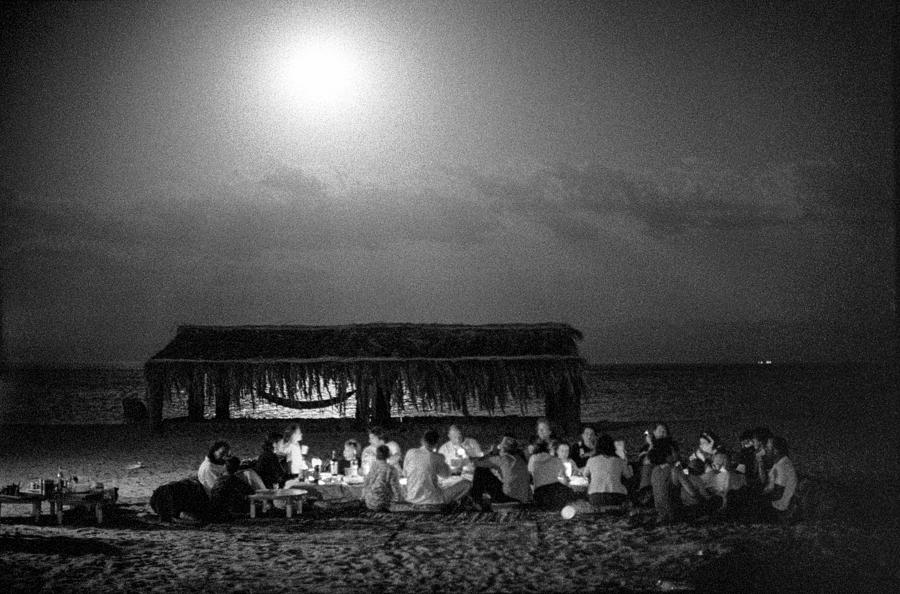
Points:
(345, 550)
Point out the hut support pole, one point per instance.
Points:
(195, 403)
(563, 409)
(155, 405)
(382, 410)
(222, 396)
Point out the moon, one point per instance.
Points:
(321, 72)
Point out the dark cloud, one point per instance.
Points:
(574, 201)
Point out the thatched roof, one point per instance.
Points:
(435, 365)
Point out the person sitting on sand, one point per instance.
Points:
(586, 446)
(606, 473)
(376, 439)
(213, 466)
(707, 446)
(457, 451)
(291, 434)
(423, 467)
(543, 432)
(781, 483)
(548, 477)
(725, 483)
(759, 474)
(269, 466)
(562, 452)
(746, 458)
(349, 456)
(659, 430)
(396, 457)
(382, 484)
(514, 484)
(696, 498)
(296, 453)
(228, 495)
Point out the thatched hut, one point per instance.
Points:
(420, 365)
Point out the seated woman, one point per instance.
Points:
(514, 482)
(228, 496)
(382, 484)
(781, 483)
(213, 467)
(605, 473)
(548, 475)
(289, 436)
(367, 458)
(269, 466)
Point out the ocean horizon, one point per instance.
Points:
(613, 392)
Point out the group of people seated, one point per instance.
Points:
(758, 479)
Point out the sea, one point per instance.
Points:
(613, 393)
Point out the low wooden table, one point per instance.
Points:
(25, 498)
(94, 500)
(289, 496)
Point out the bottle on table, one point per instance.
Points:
(333, 465)
(60, 480)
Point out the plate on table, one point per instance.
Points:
(578, 481)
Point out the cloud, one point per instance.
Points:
(578, 203)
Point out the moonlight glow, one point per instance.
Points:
(325, 73)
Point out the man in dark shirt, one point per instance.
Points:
(269, 466)
(229, 493)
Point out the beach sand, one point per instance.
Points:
(339, 551)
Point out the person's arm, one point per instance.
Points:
(626, 470)
(487, 462)
(440, 466)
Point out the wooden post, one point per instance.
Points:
(196, 404)
(155, 393)
(223, 397)
(381, 412)
(563, 409)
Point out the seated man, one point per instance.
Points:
(229, 493)
(458, 452)
(269, 466)
(423, 466)
(514, 482)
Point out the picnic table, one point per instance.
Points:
(289, 496)
(94, 500)
(24, 498)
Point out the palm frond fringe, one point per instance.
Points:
(427, 366)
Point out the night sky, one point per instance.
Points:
(681, 181)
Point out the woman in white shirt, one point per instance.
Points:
(549, 478)
(605, 472)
